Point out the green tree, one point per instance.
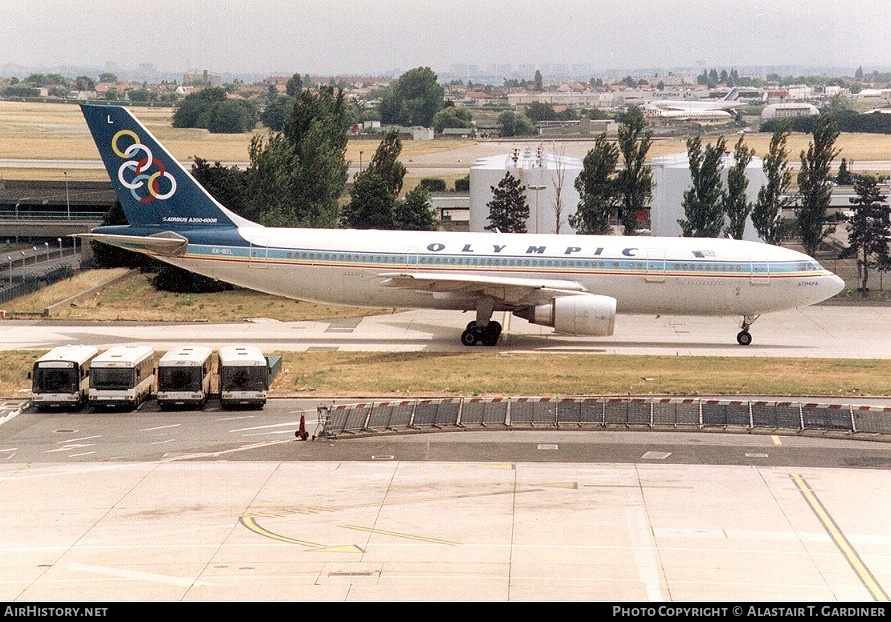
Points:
(634, 182)
(232, 116)
(228, 185)
(316, 132)
(84, 83)
(736, 203)
(47, 79)
(373, 201)
(371, 204)
(144, 96)
(108, 77)
(294, 85)
(276, 112)
(868, 230)
(540, 111)
(452, 116)
(844, 177)
(537, 81)
(212, 110)
(814, 189)
(597, 190)
(385, 162)
(414, 212)
(192, 110)
(508, 209)
(413, 99)
(511, 123)
(704, 200)
(773, 197)
(270, 195)
(21, 90)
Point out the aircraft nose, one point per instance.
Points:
(835, 284)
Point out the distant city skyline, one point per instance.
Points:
(387, 37)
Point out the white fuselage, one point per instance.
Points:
(679, 276)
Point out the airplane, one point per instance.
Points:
(728, 102)
(688, 115)
(573, 283)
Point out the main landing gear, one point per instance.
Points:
(487, 335)
(744, 337)
(483, 330)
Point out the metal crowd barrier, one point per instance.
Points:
(566, 413)
(34, 282)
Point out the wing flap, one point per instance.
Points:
(511, 291)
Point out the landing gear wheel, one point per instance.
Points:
(469, 337)
(488, 336)
(491, 333)
(744, 338)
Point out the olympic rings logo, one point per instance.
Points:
(136, 168)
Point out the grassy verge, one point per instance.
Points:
(136, 300)
(494, 374)
(419, 374)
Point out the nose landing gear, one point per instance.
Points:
(744, 337)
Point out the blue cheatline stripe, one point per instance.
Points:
(384, 261)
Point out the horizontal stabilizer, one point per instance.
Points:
(167, 243)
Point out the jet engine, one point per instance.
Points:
(584, 314)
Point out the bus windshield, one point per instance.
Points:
(179, 379)
(244, 378)
(55, 380)
(111, 378)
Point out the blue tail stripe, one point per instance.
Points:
(152, 186)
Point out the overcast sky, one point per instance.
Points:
(341, 37)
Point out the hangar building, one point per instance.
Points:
(544, 174)
(671, 178)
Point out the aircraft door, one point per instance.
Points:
(411, 258)
(760, 272)
(655, 265)
(259, 254)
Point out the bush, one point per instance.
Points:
(173, 279)
(433, 184)
(462, 184)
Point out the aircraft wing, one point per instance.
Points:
(511, 291)
(166, 243)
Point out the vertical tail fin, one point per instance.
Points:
(152, 186)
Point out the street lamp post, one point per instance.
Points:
(67, 201)
(9, 259)
(46, 248)
(23, 265)
(536, 188)
(60, 247)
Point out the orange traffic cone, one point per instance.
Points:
(301, 432)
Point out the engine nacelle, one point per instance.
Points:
(584, 314)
